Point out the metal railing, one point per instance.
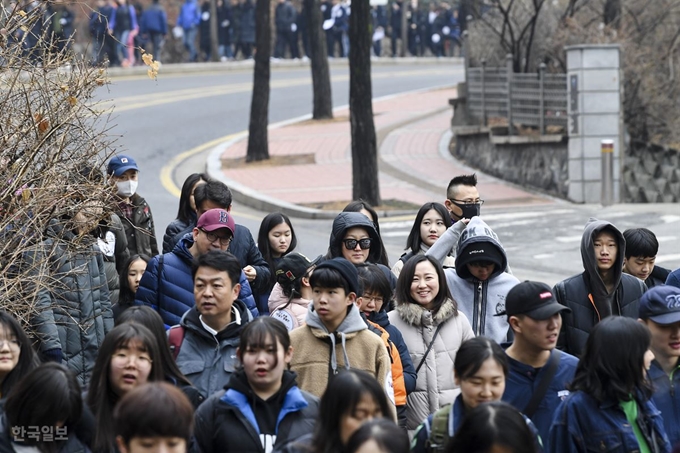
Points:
(531, 99)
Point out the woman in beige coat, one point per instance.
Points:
(433, 330)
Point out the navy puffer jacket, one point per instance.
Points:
(172, 292)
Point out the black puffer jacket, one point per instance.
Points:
(227, 421)
(587, 296)
(140, 230)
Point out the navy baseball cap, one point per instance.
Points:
(120, 164)
(661, 304)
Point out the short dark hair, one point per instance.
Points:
(373, 280)
(474, 352)
(215, 191)
(185, 213)
(640, 242)
(220, 261)
(403, 292)
(462, 180)
(384, 432)
(489, 424)
(342, 395)
(46, 396)
(611, 367)
(155, 409)
(256, 333)
(328, 278)
(28, 359)
(414, 240)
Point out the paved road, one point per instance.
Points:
(158, 121)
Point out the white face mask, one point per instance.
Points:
(127, 189)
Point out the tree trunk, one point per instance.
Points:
(258, 144)
(364, 149)
(321, 77)
(404, 27)
(214, 39)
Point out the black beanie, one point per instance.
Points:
(478, 251)
(346, 269)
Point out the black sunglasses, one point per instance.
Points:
(351, 244)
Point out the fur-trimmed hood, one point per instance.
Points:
(417, 315)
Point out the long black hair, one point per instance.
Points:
(28, 360)
(403, 292)
(414, 239)
(127, 297)
(612, 365)
(269, 222)
(185, 213)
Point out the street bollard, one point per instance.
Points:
(607, 197)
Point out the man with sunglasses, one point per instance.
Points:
(167, 285)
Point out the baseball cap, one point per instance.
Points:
(120, 164)
(293, 266)
(214, 219)
(661, 304)
(533, 299)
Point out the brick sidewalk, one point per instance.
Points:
(412, 147)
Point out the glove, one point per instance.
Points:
(53, 355)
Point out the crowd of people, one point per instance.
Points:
(220, 343)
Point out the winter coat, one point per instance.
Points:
(481, 301)
(100, 20)
(582, 424)
(247, 22)
(176, 231)
(224, 23)
(346, 220)
(125, 19)
(294, 315)
(285, 16)
(666, 397)
(112, 242)
(448, 261)
(434, 386)
(657, 277)
(587, 295)
(140, 230)
(154, 20)
(78, 302)
(209, 361)
(171, 291)
(673, 278)
(318, 353)
(396, 337)
(189, 15)
(234, 409)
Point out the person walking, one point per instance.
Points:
(188, 20)
(285, 18)
(154, 26)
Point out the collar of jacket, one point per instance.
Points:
(417, 315)
(191, 321)
(352, 323)
(656, 371)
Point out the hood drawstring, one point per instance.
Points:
(334, 359)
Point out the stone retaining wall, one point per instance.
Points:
(651, 174)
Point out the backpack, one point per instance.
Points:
(175, 338)
(441, 430)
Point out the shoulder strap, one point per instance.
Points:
(405, 257)
(440, 434)
(434, 337)
(175, 339)
(542, 388)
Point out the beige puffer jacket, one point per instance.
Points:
(434, 386)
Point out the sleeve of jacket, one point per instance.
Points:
(204, 428)
(561, 437)
(246, 294)
(384, 376)
(152, 226)
(104, 298)
(164, 25)
(133, 21)
(446, 242)
(421, 436)
(147, 293)
(410, 374)
(172, 230)
(122, 252)
(256, 260)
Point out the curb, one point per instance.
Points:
(248, 65)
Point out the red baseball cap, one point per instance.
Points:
(214, 219)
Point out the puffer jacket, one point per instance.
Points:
(346, 220)
(293, 316)
(587, 295)
(481, 301)
(140, 230)
(79, 301)
(236, 410)
(170, 291)
(434, 386)
(397, 338)
(209, 361)
(112, 242)
(176, 231)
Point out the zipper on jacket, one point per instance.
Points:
(480, 290)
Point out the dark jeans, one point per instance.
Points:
(156, 39)
(286, 38)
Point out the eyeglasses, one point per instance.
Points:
(212, 237)
(14, 345)
(478, 201)
(121, 359)
(374, 299)
(351, 244)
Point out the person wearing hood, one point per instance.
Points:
(479, 282)
(433, 329)
(355, 238)
(601, 290)
(206, 350)
(336, 336)
(292, 294)
(261, 401)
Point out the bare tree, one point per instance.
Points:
(365, 182)
(258, 139)
(321, 77)
(214, 32)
